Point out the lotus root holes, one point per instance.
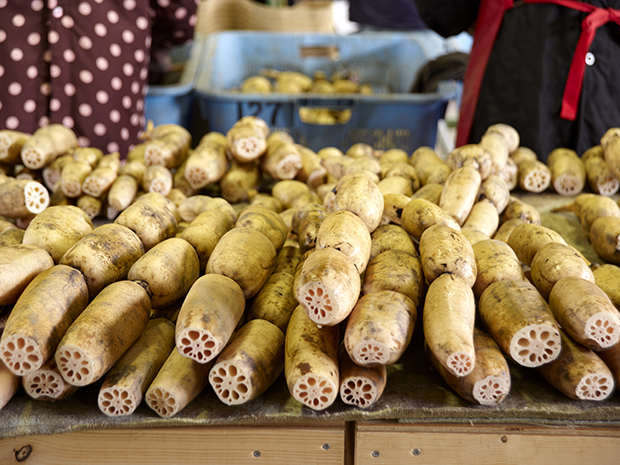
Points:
(21, 355)
(357, 391)
(32, 158)
(36, 197)
(609, 186)
(196, 176)
(319, 304)
(162, 402)
(43, 384)
(116, 402)
(596, 386)
(370, 353)
(568, 184)
(490, 390)
(314, 391)
(537, 181)
(91, 187)
(71, 189)
(198, 345)
(602, 329)
(248, 147)
(74, 366)
(460, 364)
(153, 156)
(533, 346)
(230, 384)
(159, 186)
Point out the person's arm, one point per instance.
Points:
(448, 17)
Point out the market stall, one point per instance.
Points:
(415, 417)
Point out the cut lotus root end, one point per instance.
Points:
(162, 401)
(72, 189)
(21, 354)
(358, 391)
(288, 167)
(160, 186)
(44, 383)
(491, 390)
(116, 402)
(91, 210)
(92, 187)
(196, 177)
(318, 303)
(230, 383)
(370, 353)
(75, 366)
(51, 177)
(568, 184)
(197, 344)
(603, 329)
(5, 144)
(537, 181)
(535, 345)
(36, 197)
(608, 186)
(33, 158)
(249, 148)
(153, 156)
(315, 391)
(596, 386)
(460, 363)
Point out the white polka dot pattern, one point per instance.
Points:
(84, 64)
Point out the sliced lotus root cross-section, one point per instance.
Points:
(535, 345)
(249, 148)
(197, 176)
(36, 197)
(315, 391)
(602, 328)
(21, 354)
(198, 344)
(596, 386)
(608, 185)
(76, 367)
(230, 383)
(47, 383)
(34, 157)
(537, 178)
(161, 186)
(154, 155)
(460, 363)
(115, 401)
(568, 184)
(162, 401)
(318, 303)
(370, 352)
(71, 188)
(358, 391)
(491, 390)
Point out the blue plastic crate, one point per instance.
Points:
(173, 103)
(391, 117)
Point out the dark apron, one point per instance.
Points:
(489, 20)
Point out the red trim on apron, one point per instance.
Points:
(489, 20)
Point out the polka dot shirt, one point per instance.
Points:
(84, 64)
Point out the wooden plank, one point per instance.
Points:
(273, 445)
(460, 445)
(563, 429)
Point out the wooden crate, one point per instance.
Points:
(221, 445)
(432, 444)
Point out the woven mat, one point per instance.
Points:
(414, 392)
